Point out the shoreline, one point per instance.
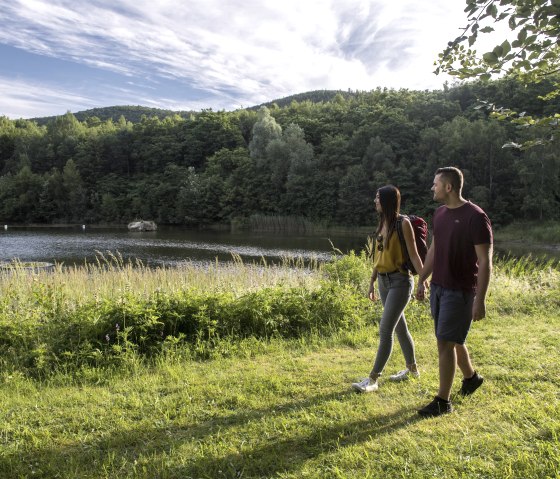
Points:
(503, 240)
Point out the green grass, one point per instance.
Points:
(546, 232)
(282, 407)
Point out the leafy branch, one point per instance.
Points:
(532, 56)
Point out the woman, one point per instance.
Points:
(395, 287)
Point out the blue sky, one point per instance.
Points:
(73, 55)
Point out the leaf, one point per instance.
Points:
(530, 39)
(486, 30)
(485, 77)
(506, 48)
(492, 10)
(490, 58)
(498, 51)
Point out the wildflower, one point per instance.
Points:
(117, 327)
(107, 338)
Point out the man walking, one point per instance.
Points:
(460, 261)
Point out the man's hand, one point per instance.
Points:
(478, 310)
(371, 294)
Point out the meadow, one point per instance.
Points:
(244, 370)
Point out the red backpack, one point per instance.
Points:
(420, 229)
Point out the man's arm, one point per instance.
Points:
(484, 256)
(426, 271)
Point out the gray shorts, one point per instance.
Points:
(452, 313)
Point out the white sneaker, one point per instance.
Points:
(366, 385)
(404, 375)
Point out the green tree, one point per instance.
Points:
(64, 134)
(355, 198)
(189, 211)
(539, 172)
(20, 196)
(76, 194)
(264, 131)
(52, 201)
(531, 57)
(109, 210)
(206, 133)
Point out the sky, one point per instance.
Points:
(74, 55)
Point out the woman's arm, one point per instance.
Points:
(371, 292)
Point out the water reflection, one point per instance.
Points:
(171, 246)
(165, 247)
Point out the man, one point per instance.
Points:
(460, 261)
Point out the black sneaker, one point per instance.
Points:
(437, 407)
(471, 385)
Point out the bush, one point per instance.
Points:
(107, 332)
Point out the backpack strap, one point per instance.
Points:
(401, 236)
(407, 264)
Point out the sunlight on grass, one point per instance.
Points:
(274, 405)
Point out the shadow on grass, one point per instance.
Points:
(116, 454)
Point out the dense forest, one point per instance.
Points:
(318, 156)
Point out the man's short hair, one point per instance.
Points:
(453, 176)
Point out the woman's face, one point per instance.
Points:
(378, 203)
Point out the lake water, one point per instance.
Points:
(166, 246)
(172, 245)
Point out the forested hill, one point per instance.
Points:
(315, 96)
(133, 114)
(319, 156)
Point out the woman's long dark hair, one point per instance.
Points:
(390, 201)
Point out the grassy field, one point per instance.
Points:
(528, 232)
(282, 406)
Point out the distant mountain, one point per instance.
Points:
(131, 113)
(315, 96)
(134, 114)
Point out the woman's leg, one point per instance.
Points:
(406, 342)
(395, 294)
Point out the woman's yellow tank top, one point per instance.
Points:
(391, 258)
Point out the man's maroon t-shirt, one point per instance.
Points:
(456, 231)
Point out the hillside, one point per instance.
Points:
(131, 113)
(134, 113)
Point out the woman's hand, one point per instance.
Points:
(421, 291)
(371, 293)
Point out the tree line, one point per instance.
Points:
(318, 156)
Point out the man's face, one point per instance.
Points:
(439, 189)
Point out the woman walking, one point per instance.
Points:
(395, 287)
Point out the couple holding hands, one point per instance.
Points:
(459, 260)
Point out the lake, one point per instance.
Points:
(167, 246)
(171, 246)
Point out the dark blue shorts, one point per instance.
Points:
(452, 313)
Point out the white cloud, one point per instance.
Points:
(243, 52)
(23, 99)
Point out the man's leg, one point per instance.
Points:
(447, 365)
(471, 379)
(464, 361)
